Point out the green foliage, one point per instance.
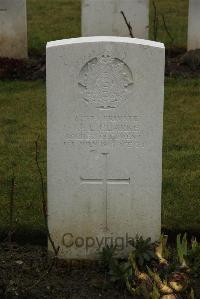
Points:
(192, 296)
(120, 271)
(149, 277)
(142, 291)
(155, 294)
(165, 271)
(107, 256)
(182, 249)
(143, 250)
(117, 270)
(165, 248)
(193, 258)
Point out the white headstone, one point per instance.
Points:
(13, 29)
(105, 123)
(194, 25)
(103, 17)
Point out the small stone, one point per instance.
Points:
(19, 262)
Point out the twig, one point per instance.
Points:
(12, 191)
(44, 207)
(44, 202)
(167, 30)
(128, 24)
(155, 22)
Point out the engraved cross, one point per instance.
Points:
(105, 181)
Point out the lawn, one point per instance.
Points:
(58, 19)
(175, 14)
(51, 20)
(23, 119)
(181, 155)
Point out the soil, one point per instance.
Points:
(181, 63)
(30, 69)
(178, 63)
(27, 272)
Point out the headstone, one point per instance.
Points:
(105, 120)
(194, 25)
(104, 18)
(13, 29)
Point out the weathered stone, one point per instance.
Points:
(194, 25)
(103, 17)
(13, 29)
(105, 115)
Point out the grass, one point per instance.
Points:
(175, 13)
(22, 113)
(51, 20)
(58, 19)
(181, 192)
(24, 118)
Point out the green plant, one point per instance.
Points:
(182, 249)
(192, 296)
(162, 286)
(193, 258)
(117, 270)
(152, 271)
(107, 256)
(178, 281)
(143, 250)
(161, 250)
(120, 271)
(155, 294)
(143, 291)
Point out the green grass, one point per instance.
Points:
(22, 113)
(24, 118)
(51, 20)
(58, 19)
(175, 13)
(181, 173)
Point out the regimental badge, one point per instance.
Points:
(105, 81)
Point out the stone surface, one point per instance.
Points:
(103, 17)
(194, 25)
(105, 115)
(13, 29)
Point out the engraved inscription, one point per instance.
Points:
(105, 81)
(107, 130)
(105, 181)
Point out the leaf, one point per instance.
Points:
(192, 296)
(147, 257)
(155, 293)
(182, 248)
